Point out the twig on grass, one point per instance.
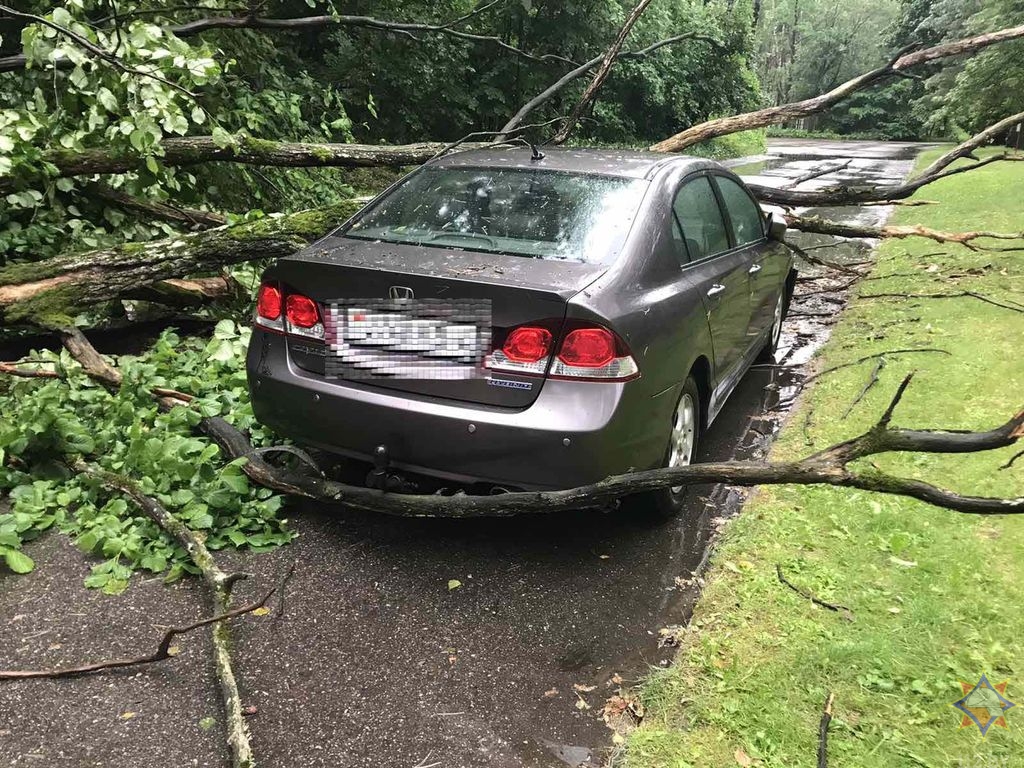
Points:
(1012, 459)
(808, 595)
(826, 719)
(872, 380)
(864, 359)
(163, 650)
(1012, 306)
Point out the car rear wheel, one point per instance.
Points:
(683, 439)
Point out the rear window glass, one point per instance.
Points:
(523, 212)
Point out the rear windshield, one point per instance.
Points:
(523, 212)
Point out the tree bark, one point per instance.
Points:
(774, 115)
(191, 150)
(842, 229)
(49, 293)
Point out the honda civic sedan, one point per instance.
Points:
(511, 319)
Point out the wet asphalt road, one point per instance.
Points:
(375, 661)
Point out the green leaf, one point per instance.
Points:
(454, 584)
(17, 560)
(152, 166)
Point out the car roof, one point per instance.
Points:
(609, 162)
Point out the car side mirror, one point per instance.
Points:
(776, 227)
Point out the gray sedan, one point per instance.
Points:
(517, 320)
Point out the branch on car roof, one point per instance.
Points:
(821, 226)
(762, 118)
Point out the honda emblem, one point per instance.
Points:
(400, 292)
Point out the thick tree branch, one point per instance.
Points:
(853, 195)
(774, 115)
(842, 229)
(191, 150)
(980, 139)
(50, 292)
(601, 75)
(192, 218)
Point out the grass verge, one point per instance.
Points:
(935, 595)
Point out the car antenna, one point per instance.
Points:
(537, 154)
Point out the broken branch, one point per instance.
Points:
(163, 650)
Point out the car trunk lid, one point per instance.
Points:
(356, 282)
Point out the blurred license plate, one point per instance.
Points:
(403, 333)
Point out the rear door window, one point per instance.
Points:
(744, 213)
(696, 209)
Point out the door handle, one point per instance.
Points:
(754, 269)
(715, 290)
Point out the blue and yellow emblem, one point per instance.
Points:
(984, 705)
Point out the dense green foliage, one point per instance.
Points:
(330, 83)
(127, 435)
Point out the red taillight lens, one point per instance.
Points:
(268, 302)
(301, 311)
(588, 348)
(527, 344)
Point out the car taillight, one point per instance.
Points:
(587, 352)
(268, 307)
(302, 316)
(527, 344)
(588, 348)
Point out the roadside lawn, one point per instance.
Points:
(936, 596)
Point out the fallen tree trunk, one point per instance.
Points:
(897, 66)
(191, 150)
(49, 293)
(821, 226)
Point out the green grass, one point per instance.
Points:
(936, 595)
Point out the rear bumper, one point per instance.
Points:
(575, 433)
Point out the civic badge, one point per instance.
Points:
(400, 292)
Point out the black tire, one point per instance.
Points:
(767, 354)
(665, 503)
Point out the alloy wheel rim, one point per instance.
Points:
(684, 424)
(777, 323)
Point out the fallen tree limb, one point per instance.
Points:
(191, 150)
(858, 195)
(601, 74)
(163, 650)
(191, 218)
(859, 360)
(821, 226)
(980, 139)
(762, 118)
(827, 467)
(546, 95)
(219, 585)
(818, 173)
(49, 293)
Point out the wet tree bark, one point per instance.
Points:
(48, 293)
